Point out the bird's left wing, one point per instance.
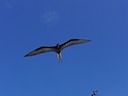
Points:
(40, 50)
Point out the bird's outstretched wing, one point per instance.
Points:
(73, 42)
(39, 50)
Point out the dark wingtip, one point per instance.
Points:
(26, 55)
(86, 40)
(89, 40)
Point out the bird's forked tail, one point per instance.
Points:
(59, 57)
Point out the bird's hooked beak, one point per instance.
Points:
(59, 57)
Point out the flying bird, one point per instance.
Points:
(58, 48)
(95, 93)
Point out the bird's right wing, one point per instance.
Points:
(40, 50)
(73, 42)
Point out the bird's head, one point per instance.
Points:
(58, 46)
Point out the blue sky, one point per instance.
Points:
(98, 65)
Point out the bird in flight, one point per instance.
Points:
(58, 48)
(95, 93)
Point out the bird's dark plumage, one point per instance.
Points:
(40, 50)
(73, 42)
(58, 48)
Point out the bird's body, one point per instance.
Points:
(58, 48)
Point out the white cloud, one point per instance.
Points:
(50, 18)
(8, 5)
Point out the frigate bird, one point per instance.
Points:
(95, 93)
(58, 48)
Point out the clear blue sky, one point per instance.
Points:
(98, 65)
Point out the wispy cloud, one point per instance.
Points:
(50, 18)
(8, 5)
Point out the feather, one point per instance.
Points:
(40, 50)
(73, 42)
